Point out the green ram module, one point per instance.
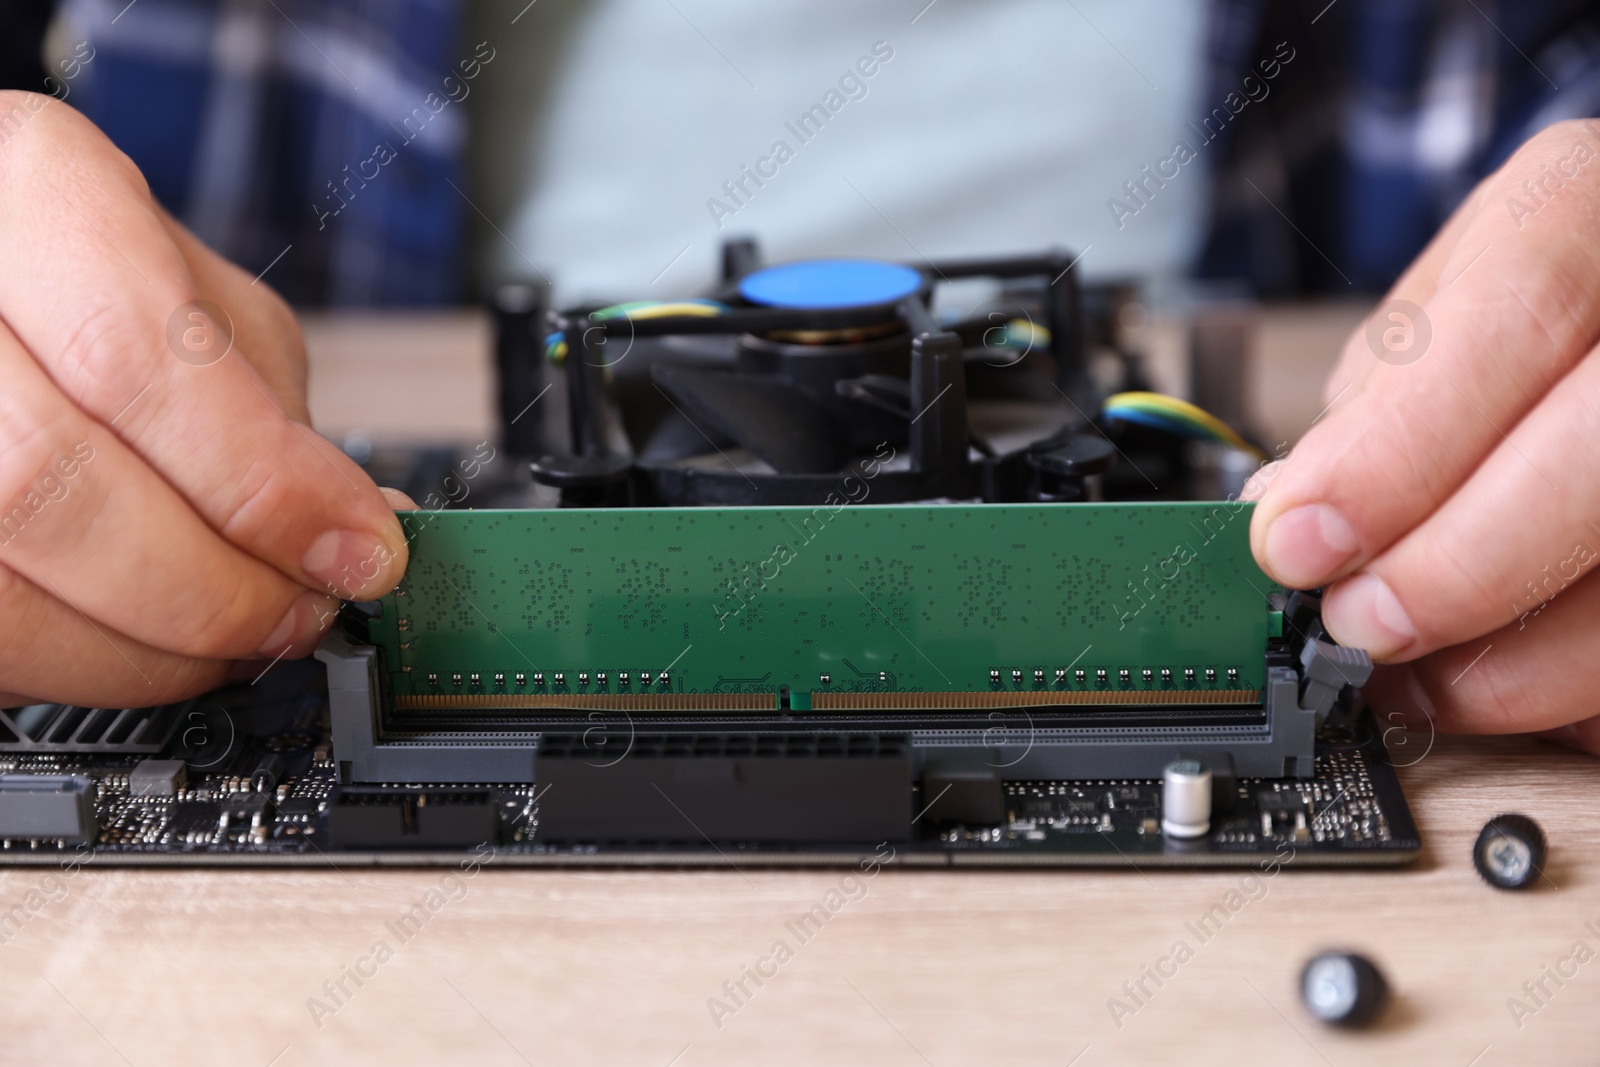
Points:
(828, 608)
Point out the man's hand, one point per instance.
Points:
(1452, 490)
(165, 509)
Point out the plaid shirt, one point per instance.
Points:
(318, 138)
(1390, 112)
(300, 135)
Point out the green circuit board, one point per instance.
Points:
(796, 608)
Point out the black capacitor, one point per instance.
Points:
(1510, 851)
(1343, 988)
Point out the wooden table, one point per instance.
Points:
(942, 968)
(947, 968)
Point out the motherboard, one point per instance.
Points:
(813, 568)
(248, 776)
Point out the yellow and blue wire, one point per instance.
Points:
(555, 344)
(1175, 416)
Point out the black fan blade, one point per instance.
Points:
(764, 413)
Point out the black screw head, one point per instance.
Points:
(1343, 988)
(1509, 852)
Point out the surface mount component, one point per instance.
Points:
(970, 796)
(157, 778)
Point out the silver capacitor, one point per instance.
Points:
(1186, 799)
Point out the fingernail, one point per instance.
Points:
(1363, 612)
(352, 564)
(302, 626)
(1256, 487)
(1305, 546)
(397, 500)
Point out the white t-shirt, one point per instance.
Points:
(617, 142)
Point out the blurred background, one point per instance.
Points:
(1236, 180)
(421, 152)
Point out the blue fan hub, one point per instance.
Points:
(815, 284)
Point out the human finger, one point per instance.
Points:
(1466, 570)
(84, 518)
(266, 331)
(1504, 333)
(96, 289)
(1536, 674)
(54, 653)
